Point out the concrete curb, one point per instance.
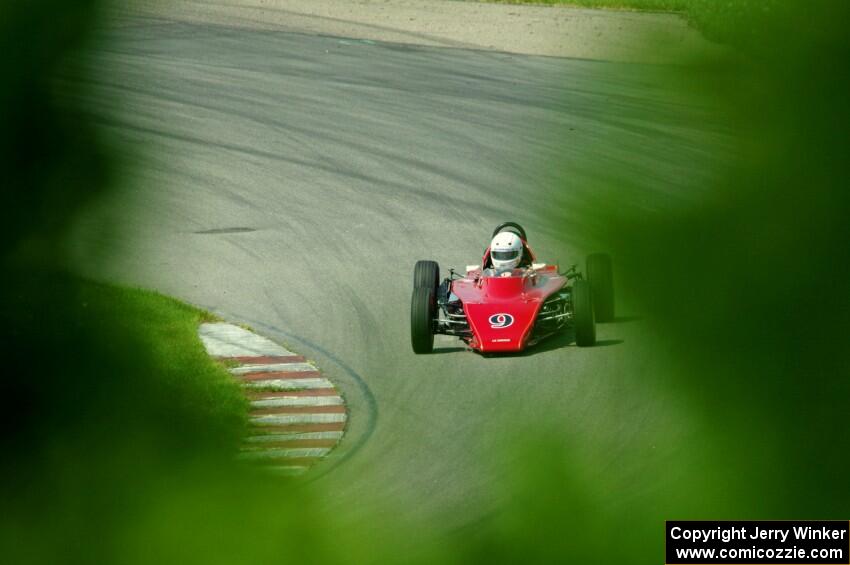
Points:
(297, 416)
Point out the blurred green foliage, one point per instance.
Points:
(54, 160)
(112, 454)
(748, 284)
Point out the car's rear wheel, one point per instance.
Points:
(426, 274)
(600, 274)
(584, 323)
(423, 309)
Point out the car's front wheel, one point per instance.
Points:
(426, 273)
(584, 323)
(423, 309)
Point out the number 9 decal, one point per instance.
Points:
(500, 321)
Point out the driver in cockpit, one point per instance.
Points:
(507, 252)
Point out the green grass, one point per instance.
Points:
(645, 5)
(115, 398)
(729, 21)
(166, 330)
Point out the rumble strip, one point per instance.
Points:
(297, 416)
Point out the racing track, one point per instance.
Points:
(291, 181)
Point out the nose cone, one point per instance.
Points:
(502, 310)
(502, 326)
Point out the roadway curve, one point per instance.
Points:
(291, 181)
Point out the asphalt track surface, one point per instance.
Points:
(291, 181)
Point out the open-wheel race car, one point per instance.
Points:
(495, 309)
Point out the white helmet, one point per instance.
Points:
(505, 251)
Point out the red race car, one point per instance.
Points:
(510, 302)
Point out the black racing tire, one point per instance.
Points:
(584, 323)
(600, 274)
(514, 227)
(426, 274)
(423, 309)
